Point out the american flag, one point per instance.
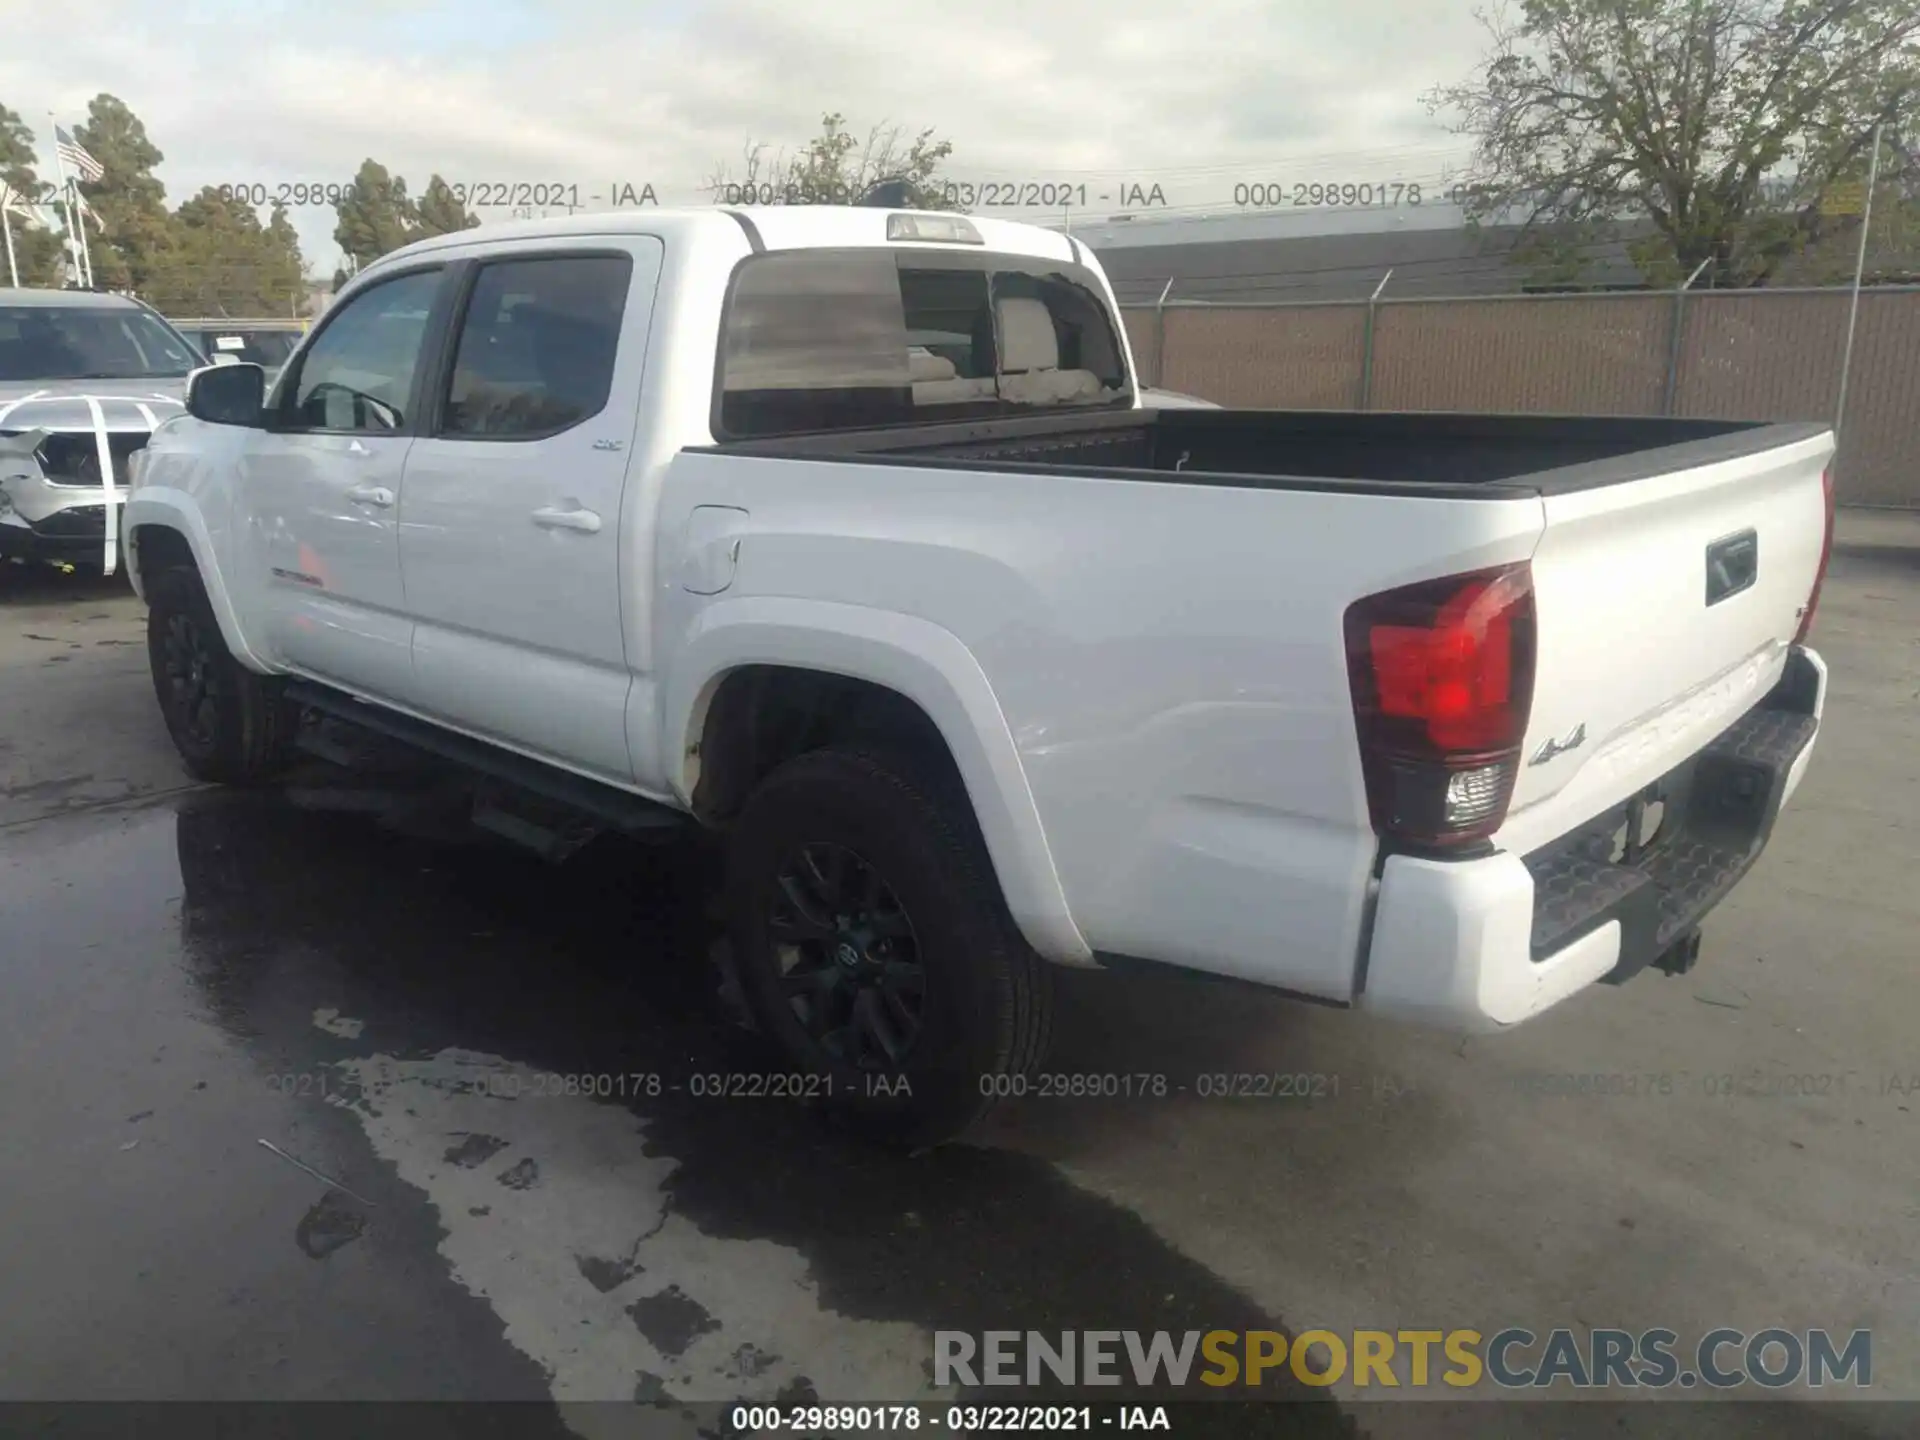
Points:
(72, 152)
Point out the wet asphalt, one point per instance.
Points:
(300, 1103)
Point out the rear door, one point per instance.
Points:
(1665, 609)
(510, 526)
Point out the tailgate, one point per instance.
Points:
(1666, 606)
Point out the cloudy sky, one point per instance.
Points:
(1191, 95)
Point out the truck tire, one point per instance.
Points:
(872, 945)
(230, 725)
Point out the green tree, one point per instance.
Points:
(1713, 131)
(17, 156)
(439, 212)
(283, 251)
(838, 168)
(225, 262)
(375, 215)
(36, 249)
(133, 235)
(1893, 240)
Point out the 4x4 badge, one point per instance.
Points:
(1560, 747)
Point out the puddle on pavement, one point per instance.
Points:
(412, 1002)
(637, 1242)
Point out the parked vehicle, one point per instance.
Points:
(1154, 398)
(84, 379)
(843, 534)
(266, 343)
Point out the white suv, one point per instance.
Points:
(85, 379)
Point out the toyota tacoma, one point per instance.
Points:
(842, 534)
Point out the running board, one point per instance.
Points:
(613, 808)
(552, 831)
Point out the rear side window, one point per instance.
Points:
(814, 340)
(817, 340)
(537, 345)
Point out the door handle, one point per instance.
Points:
(371, 495)
(1733, 564)
(552, 517)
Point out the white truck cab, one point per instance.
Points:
(844, 532)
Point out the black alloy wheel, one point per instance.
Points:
(192, 693)
(230, 725)
(849, 959)
(873, 948)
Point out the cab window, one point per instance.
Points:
(817, 340)
(358, 373)
(536, 346)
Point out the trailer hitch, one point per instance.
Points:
(1681, 956)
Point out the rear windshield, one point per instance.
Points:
(818, 340)
(60, 342)
(257, 347)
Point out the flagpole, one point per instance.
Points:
(66, 200)
(1859, 268)
(86, 248)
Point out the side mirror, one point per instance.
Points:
(232, 394)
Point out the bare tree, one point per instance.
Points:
(837, 168)
(1725, 128)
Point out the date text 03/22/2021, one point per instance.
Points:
(621, 194)
(796, 1085)
(958, 1419)
(964, 194)
(478, 194)
(322, 1084)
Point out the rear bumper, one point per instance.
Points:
(1480, 944)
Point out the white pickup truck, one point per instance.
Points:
(842, 533)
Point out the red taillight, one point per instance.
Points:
(1442, 678)
(1826, 554)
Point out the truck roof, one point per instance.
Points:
(65, 299)
(779, 227)
(238, 322)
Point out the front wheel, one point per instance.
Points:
(230, 725)
(872, 944)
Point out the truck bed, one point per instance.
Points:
(1428, 453)
(1671, 564)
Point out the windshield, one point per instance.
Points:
(71, 342)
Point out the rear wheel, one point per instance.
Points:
(230, 725)
(872, 944)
